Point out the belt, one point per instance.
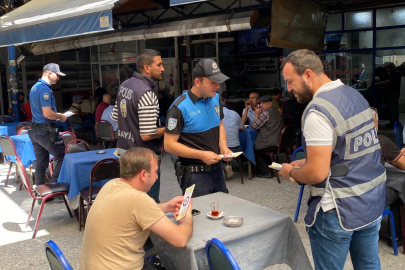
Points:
(45, 125)
(201, 168)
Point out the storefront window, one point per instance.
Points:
(358, 20)
(334, 22)
(348, 41)
(390, 16)
(390, 37)
(353, 69)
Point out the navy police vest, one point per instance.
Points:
(359, 195)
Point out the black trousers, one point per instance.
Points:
(205, 182)
(262, 161)
(40, 139)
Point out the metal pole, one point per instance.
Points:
(15, 101)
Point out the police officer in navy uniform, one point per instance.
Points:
(44, 132)
(194, 131)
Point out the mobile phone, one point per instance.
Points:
(195, 212)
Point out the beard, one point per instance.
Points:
(306, 94)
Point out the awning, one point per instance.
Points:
(40, 20)
(183, 2)
(206, 25)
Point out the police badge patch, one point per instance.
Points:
(217, 109)
(123, 106)
(46, 96)
(172, 123)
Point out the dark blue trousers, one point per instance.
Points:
(40, 139)
(205, 182)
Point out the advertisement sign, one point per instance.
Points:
(183, 2)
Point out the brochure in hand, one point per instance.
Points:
(186, 201)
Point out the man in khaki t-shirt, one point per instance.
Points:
(122, 216)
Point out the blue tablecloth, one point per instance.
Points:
(24, 148)
(9, 128)
(76, 168)
(247, 140)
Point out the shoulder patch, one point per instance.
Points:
(171, 123)
(179, 100)
(46, 96)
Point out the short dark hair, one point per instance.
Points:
(112, 101)
(21, 94)
(199, 78)
(146, 58)
(133, 161)
(254, 92)
(96, 82)
(302, 60)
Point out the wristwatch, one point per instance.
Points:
(290, 176)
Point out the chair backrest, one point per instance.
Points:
(67, 137)
(219, 257)
(398, 128)
(56, 259)
(104, 129)
(21, 125)
(76, 146)
(287, 120)
(107, 168)
(22, 172)
(75, 119)
(287, 138)
(298, 153)
(7, 146)
(24, 130)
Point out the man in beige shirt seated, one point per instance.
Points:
(123, 215)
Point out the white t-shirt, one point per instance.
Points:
(319, 131)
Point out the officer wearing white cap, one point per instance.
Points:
(44, 133)
(194, 132)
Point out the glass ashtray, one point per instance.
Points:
(233, 221)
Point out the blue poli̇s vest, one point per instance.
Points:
(359, 196)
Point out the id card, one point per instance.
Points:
(186, 201)
(276, 166)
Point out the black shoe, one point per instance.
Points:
(266, 175)
(58, 200)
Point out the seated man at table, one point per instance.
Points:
(107, 116)
(250, 108)
(269, 122)
(232, 124)
(102, 106)
(391, 154)
(123, 215)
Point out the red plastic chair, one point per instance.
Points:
(24, 130)
(41, 193)
(67, 137)
(21, 125)
(107, 168)
(105, 133)
(285, 145)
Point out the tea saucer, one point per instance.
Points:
(221, 215)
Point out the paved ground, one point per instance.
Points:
(19, 251)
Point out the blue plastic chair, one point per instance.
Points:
(398, 128)
(219, 257)
(55, 257)
(388, 212)
(298, 154)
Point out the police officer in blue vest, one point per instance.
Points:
(342, 166)
(44, 133)
(194, 131)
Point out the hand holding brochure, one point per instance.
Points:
(68, 113)
(232, 155)
(186, 201)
